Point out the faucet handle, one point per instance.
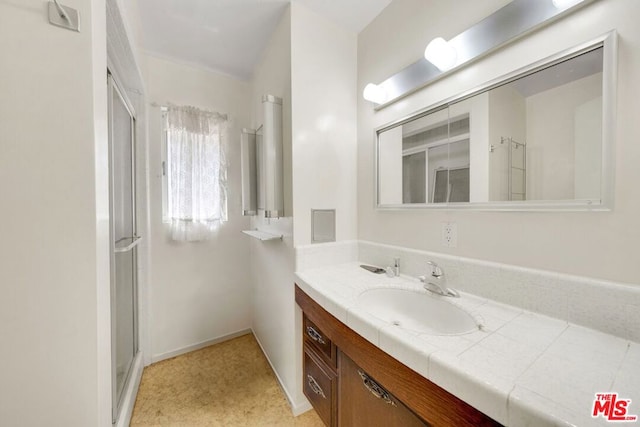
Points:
(436, 271)
(396, 266)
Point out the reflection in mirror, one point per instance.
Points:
(535, 138)
(545, 133)
(426, 160)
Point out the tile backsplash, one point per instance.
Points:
(606, 306)
(324, 254)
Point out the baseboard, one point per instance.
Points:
(301, 408)
(168, 355)
(129, 397)
(297, 408)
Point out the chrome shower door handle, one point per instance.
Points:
(126, 244)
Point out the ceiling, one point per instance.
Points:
(229, 36)
(560, 74)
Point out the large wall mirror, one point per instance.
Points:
(540, 138)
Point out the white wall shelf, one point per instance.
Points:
(262, 235)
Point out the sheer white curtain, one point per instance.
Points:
(197, 172)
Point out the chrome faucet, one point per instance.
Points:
(436, 282)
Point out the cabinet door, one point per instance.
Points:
(319, 386)
(364, 402)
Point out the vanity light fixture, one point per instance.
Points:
(564, 4)
(374, 93)
(513, 21)
(441, 54)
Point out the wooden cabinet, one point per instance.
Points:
(365, 403)
(320, 386)
(357, 380)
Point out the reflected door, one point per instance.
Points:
(124, 343)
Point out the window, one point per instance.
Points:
(195, 172)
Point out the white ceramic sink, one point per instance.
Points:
(417, 311)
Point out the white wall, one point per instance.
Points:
(199, 291)
(130, 13)
(310, 63)
(390, 169)
(324, 143)
(272, 263)
(54, 261)
(587, 131)
(323, 81)
(602, 245)
(551, 137)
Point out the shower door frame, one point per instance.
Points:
(114, 88)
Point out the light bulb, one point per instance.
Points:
(565, 4)
(441, 54)
(374, 93)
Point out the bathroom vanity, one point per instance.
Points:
(351, 382)
(383, 362)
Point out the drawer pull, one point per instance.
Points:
(315, 335)
(315, 387)
(375, 389)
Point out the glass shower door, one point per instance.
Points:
(124, 333)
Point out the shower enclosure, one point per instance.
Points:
(124, 241)
(508, 168)
(516, 168)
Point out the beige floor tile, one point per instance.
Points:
(228, 384)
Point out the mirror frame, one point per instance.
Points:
(609, 41)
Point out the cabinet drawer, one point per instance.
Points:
(319, 386)
(319, 340)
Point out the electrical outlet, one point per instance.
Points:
(449, 234)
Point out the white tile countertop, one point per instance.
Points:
(521, 368)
